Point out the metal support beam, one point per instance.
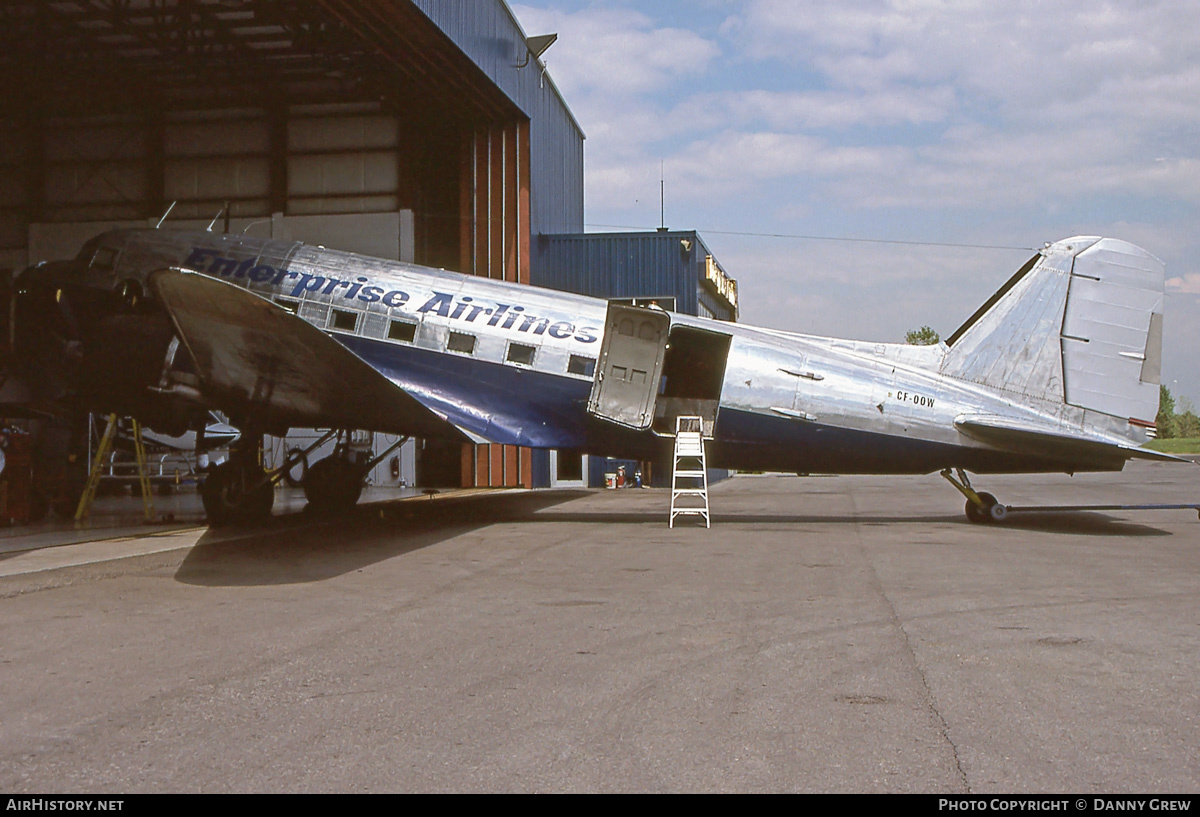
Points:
(155, 168)
(278, 161)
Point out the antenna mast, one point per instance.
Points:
(662, 196)
(164, 215)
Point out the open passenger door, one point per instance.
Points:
(651, 372)
(631, 363)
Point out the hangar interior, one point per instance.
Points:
(419, 130)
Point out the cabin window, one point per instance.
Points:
(460, 342)
(520, 353)
(314, 313)
(288, 304)
(105, 259)
(579, 364)
(345, 320)
(402, 331)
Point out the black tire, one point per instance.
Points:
(227, 501)
(982, 515)
(975, 514)
(332, 486)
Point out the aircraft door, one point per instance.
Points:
(626, 385)
(693, 378)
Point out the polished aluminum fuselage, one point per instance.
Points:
(788, 402)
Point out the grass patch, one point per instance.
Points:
(1181, 445)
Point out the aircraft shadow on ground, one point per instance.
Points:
(295, 548)
(1088, 523)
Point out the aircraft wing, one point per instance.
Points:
(253, 356)
(1049, 441)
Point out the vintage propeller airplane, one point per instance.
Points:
(1056, 372)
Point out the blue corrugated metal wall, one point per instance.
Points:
(629, 265)
(488, 33)
(625, 265)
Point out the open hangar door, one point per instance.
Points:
(307, 118)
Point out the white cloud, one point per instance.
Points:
(1185, 285)
(998, 122)
(1009, 50)
(617, 51)
(864, 291)
(788, 110)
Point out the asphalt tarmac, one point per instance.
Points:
(846, 634)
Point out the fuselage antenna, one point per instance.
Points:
(213, 223)
(164, 215)
(246, 229)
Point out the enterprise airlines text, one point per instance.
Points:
(463, 308)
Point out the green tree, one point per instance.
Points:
(1187, 424)
(1165, 421)
(924, 336)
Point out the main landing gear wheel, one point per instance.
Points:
(992, 510)
(332, 486)
(237, 494)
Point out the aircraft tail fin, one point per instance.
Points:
(1079, 324)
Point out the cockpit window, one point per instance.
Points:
(105, 259)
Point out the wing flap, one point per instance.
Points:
(257, 357)
(1050, 441)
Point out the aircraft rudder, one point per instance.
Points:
(1079, 325)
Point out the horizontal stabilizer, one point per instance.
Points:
(251, 352)
(1050, 441)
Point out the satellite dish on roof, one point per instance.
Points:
(537, 46)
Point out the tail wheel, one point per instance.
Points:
(997, 513)
(992, 510)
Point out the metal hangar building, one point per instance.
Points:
(418, 130)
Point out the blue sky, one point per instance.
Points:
(985, 123)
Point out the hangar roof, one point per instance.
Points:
(71, 57)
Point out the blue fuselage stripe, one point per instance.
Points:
(517, 406)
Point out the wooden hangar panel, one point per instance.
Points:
(494, 243)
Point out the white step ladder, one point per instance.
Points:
(689, 483)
